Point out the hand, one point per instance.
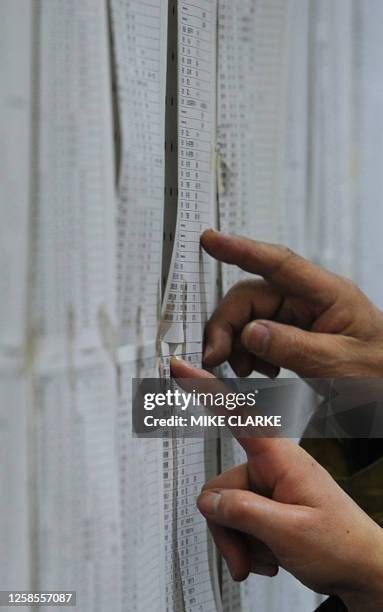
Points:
(298, 316)
(281, 508)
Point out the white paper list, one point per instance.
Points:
(141, 494)
(15, 165)
(74, 207)
(192, 570)
(189, 294)
(77, 517)
(331, 213)
(139, 34)
(15, 484)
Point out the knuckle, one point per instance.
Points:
(234, 508)
(302, 522)
(285, 251)
(286, 258)
(350, 285)
(242, 287)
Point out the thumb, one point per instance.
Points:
(270, 521)
(307, 353)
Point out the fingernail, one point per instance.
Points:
(216, 231)
(208, 502)
(256, 337)
(177, 359)
(210, 229)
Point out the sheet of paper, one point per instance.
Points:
(265, 98)
(190, 288)
(331, 211)
(139, 34)
(280, 100)
(74, 204)
(369, 118)
(295, 119)
(192, 576)
(76, 499)
(141, 477)
(15, 502)
(16, 25)
(262, 121)
(235, 43)
(15, 164)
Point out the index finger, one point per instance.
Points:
(288, 272)
(185, 375)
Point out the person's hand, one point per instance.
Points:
(281, 508)
(298, 316)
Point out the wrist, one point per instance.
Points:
(366, 594)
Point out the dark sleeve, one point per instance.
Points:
(332, 604)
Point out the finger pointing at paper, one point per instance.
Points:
(293, 314)
(282, 509)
